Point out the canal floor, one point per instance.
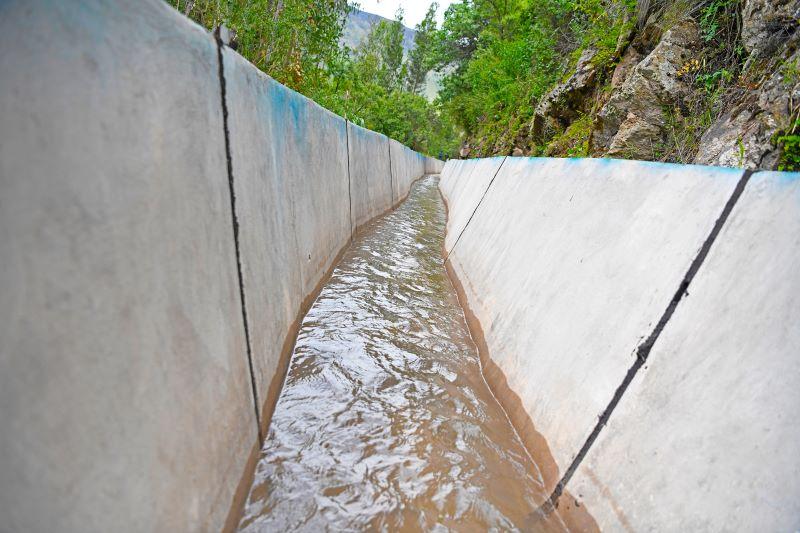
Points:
(385, 421)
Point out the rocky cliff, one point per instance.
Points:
(714, 83)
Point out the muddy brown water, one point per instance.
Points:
(385, 421)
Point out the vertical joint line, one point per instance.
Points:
(476, 208)
(235, 224)
(349, 180)
(643, 350)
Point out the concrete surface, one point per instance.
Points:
(294, 210)
(407, 165)
(371, 190)
(124, 392)
(567, 264)
(463, 183)
(433, 165)
(707, 437)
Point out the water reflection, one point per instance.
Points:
(385, 421)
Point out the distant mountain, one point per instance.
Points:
(358, 26)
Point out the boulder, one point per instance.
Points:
(565, 102)
(631, 123)
(767, 23)
(629, 59)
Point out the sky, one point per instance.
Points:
(414, 9)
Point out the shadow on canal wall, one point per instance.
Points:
(639, 323)
(168, 213)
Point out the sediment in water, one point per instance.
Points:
(568, 511)
(385, 418)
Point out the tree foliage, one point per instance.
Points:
(422, 57)
(298, 43)
(496, 59)
(502, 56)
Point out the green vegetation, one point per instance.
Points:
(715, 73)
(509, 54)
(496, 60)
(715, 16)
(791, 72)
(789, 143)
(574, 141)
(297, 42)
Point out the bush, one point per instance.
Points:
(789, 145)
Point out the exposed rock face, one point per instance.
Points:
(629, 60)
(632, 121)
(648, 107)
(565, 102)
(767, 23)
(742, 137)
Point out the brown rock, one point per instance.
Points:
(766, 24)
(631, 122)
(565, 102)
(629, 59)
(635, 138)
(742, 137)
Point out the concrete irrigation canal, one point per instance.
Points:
(211, 317)
(385, 421)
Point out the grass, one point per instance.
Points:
(572, 142)
(789, 144)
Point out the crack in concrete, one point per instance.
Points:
(476, 208)
(235, 223)
(643, 350)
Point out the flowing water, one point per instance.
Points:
(385, 421)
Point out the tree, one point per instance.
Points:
(297, 42)
(458, 39)
(384, 47)
(422, 57)
(291, 40)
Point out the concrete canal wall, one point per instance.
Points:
(407, 166)
(163, 222)
(642, 317)
(433, 166)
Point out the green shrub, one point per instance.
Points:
(789, 145)
(574, 141)
(715, 16)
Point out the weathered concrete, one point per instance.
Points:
(124, 392)
(433, 165)
(706, 437)
(371, 190)
(293, 209)
(568, 264)
(407, 166)
(463, 184)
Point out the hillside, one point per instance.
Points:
(711, 82)
(358, 26)
(689, 81)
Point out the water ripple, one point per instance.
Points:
(385, 422)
